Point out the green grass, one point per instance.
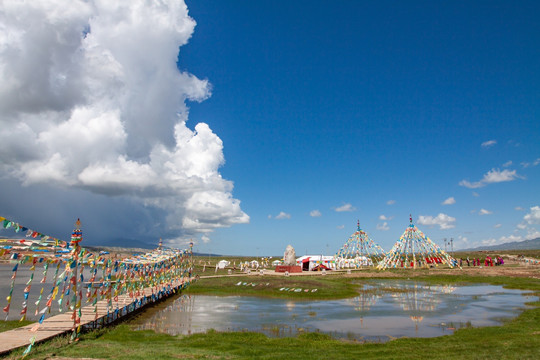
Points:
(522, 283)
(518, 338)
(328, 287)
(13, 324)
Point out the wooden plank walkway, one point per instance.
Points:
(63, 323)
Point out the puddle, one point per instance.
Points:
(382, 311)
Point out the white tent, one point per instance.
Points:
(223, 263)
(353, 263)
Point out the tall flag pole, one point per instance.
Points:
(76, 238)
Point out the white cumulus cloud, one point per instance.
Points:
(484, 212)
(526, 164)
(510, 238)
(283, 215)
(91, 98)
(383, 226)
(489, 143)
(529, 220)
(491, 177)
(533, 233)
(449, 201)
(391, 202)
(385, 218)
(534, 216)
(489, 242)
(496, 176)
(345, 207)
(442, 220)
(315, 213)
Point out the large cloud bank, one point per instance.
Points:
(91, 98)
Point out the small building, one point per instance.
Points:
(310, 262)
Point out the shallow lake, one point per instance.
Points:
(21, 281)
(382, 311)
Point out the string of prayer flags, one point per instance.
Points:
(125, 284)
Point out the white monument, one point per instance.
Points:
(289, 258)
(289, 262)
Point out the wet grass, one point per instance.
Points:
(335, 286)
(522, 283)
(518, 338)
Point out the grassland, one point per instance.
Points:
(319, 287)
(13, 324)
(518, 338)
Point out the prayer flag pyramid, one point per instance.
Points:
(413, 250)
(359, 250)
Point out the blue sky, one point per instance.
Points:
(321, 104)
(331, 112)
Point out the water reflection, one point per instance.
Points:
(382, 310)
(42, 281)
(416, 300)
(368, 297)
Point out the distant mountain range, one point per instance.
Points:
(134, 250)
(125, 243)
(533, 244)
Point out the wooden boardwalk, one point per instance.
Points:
(63, 323)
